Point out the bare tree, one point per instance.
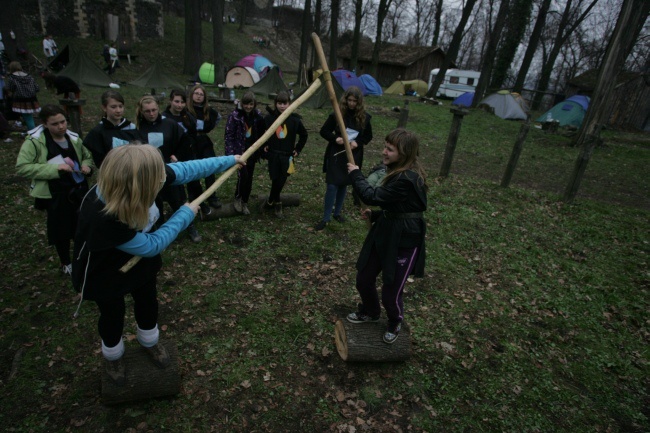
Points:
(356, 35)
(571, 18)
(304, 40)
(384, 6)
(490, 53)
(532, 45)
(217, 39)
(513, 33)
(334, 34)
(242, 10)
(436, 23)
(630, 22)
(192, 56)
(453, 48)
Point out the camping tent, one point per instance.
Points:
(464, 100)
(240, 76)
(371, 85)
(347, 79)
(271, 83)
(568, 112)
(155, 77)
(82, 70)
(61, 59)
(402, 87)
(505, 105)
(257, 62)
(321, 97)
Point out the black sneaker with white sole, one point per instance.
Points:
(392, 332)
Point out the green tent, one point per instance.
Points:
(84, 71)
(271, 83)
(401, 87)
(568, 112)
(321, 97)
(156, 78)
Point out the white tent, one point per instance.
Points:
(241, 76)
(505, 105)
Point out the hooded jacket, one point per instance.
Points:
(106, 136)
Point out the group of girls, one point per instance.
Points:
(118, 218)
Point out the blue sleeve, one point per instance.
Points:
(152, 244)
(199, 168)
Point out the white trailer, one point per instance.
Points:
(456, 82)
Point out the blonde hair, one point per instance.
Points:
(147, 99)
(129, 180)
(408, 149)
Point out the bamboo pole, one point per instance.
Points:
(244, 157)
(327, 77)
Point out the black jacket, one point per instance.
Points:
(402, 195)
(167, 136)
(106, 136)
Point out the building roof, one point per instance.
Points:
(587, 81)
(389, 54)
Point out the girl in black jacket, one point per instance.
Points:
(395, 244)
(281, 148)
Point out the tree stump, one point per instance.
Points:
(143, 379)
(228, 210)
(363, 342)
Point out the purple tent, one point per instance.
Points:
(256, 61)
(347, 79)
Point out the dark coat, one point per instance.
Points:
(106, 136)
(282, 143)
(335, 166)
(242, 131)
(167, 136)
(400, 195)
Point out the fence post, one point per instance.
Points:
(458, 113)
(404, 115)
(516, 151)
(73, 109)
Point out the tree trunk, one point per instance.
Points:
(217, 38)
(304, 41)
(514, 32)
(227, 210)
(356, 35)
(381, 16)
(436, 26)
(454, 46)
(633, 13)
(334, 35)
(317, 29)
(532, 46)
(243, 9)
(143, 379)
(363, 342)
(490, 52)
(192, 56)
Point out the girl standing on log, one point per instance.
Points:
(359, 130)
(114, 225)
(244, 126)
(206, 119)
(281, 148)
(58, 164)
(113, 130)
(395, 244)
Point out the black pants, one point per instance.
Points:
(111, 313)
(276, 188)
(245, 181)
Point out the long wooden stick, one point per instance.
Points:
(332, 94)
(251, 150)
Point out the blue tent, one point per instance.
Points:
(571, 111)
(347, 79)
(371, 85)
(464, 100)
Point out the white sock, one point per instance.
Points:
(113, 353)
(148, 337)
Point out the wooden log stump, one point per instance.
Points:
(143, 379)
(363, 342)
(228, 209)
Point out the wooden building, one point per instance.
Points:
(396, 62)
(629, 103)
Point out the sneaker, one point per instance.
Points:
(244, 209)
(116, 371)
(278, 210)
(214, 202)
(67, 270)
(158, 355)
(339, 218)
(266, 205)
(193, 233)
(238, 205)
(392, 332)
(320, 226)
(360, 317)
(205, 210)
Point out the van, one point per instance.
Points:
(456, 82)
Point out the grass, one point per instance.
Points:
(532, 317)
